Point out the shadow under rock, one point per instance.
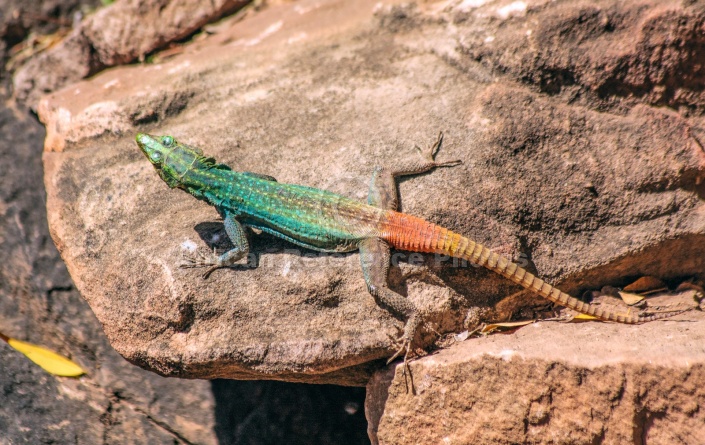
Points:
(271, 412)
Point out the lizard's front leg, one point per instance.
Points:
(237, 236)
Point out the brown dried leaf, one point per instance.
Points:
(645, 283)
(686, 285)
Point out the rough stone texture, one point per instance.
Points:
(548, 383)
(19, 17)
(621, 54)
(587, 189)
(115, 35)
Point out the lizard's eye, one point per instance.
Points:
(167, 140)
(156, 156)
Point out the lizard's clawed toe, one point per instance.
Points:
(405, 348)
(198, 259)
(448, 163)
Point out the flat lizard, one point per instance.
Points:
(324, 221)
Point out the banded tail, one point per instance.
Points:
(406, 232)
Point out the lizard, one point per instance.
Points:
(324, 221)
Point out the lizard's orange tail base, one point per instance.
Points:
(407, 232)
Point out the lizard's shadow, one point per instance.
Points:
(214, 236)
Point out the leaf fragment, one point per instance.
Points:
(504, 326)
(583, 317)
(644, 284)
(462, 336)
(690, 286)
(630, 298)
(50, 361)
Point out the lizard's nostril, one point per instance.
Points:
(142, 138)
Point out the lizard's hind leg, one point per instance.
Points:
(374, 253)
(374, 258)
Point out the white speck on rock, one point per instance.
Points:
(271, 29)
(507, 354)
(111, 83)
(466, 5)
(295, 38)
(189, 245)
(301, 10)
(179, 67)
(255, 95)
(512, 9)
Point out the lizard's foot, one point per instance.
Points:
(405, 348)
(429, 154)
(200, 259)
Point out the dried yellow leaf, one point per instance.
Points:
(630, 298)
(48, 360)
(583, 317)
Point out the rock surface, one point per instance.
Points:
(550, 383)
(115, 35)
(586, 184)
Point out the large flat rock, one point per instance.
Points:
(588, 183)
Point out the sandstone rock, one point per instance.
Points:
(588, 189)
(115, 35)
(551, 383)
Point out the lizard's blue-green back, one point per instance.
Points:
(307, 216)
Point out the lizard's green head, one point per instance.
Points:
(171, 159)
